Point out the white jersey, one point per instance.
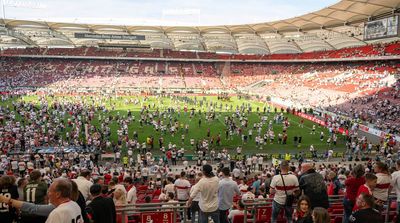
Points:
(66, 213)
(182, 188)
(260, 160)
(30, 166)
(21, 166)
(14, 165)
(131, 196)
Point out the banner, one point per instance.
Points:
(108, 36)
(268, 156)
(377, 132)
(311, 118)
(157, 217)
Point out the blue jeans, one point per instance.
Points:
(203, 217)
(276, 208)
(348, 209)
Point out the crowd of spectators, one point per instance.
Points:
(48, 192)
(347, 88)
(370, 50)
(134, 180)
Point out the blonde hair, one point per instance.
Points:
(119, 196)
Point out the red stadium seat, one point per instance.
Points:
(263, 214)
(240, 219)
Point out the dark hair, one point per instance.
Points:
(104, 189)
(115, 180)
(35, 175)
(97, 179)
(207, 170)
(85, 173)
(183, 174)
(241, 205)
(95, 189)
(63, 186)
(147, 199)
(382, 166)
(358, 171)
(20, 181)
(74, 191)
(304, 198)
(226, 171)
(321, 215)
(284, 165)
(128, 180)
(171, 195)
(370, 176)
(6, 181)
(368, 199)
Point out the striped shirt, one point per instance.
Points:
(381, 191)
(291, 184)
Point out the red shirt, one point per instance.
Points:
(169, 154)
(107, 178)
(352, 185)
(120, 178)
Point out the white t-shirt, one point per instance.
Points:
(145, 172)
(66, 213)
(208, 188)
(260, 160)
(236, 172)
(169, 188)
(83, 186)
(14, 165)
(30, 166)
(131, 196)
(396, 183)
(248, 161)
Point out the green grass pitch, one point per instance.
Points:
(119, 105)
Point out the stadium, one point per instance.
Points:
(138, 114)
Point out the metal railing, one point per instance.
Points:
(254, 210)
(169, 211)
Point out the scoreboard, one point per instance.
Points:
(381, 28)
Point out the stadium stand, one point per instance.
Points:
(61, 127)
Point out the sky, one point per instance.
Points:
(160, 12)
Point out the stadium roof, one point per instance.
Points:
(343, 12)
(259, 38)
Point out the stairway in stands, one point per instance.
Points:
(226, 70)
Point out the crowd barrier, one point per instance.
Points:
(255, 211)
(166, 212)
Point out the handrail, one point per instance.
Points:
(251, 207)
(151, 207)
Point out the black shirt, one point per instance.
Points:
(102, 210)
(8, 214)
(366, 215)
